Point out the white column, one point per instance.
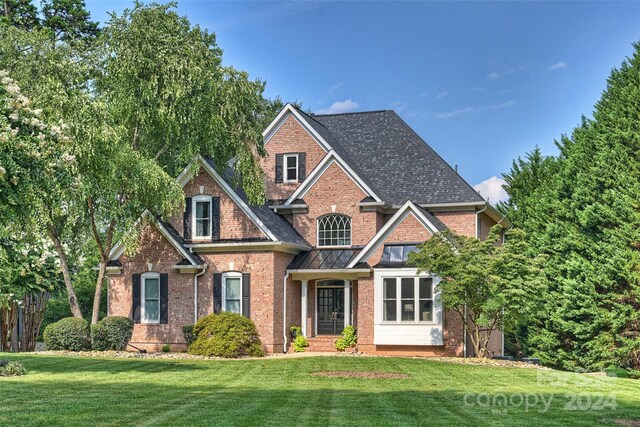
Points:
(304, 306)
(347, 302)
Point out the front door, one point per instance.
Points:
(330, 311)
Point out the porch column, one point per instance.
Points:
(347, 303)
(304, 291)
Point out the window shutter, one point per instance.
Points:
(217, 292)
(215, 218)
(186, 219)
(135, 308)
(302, 166)
(246, 297)
(164, 298)
(278, 167)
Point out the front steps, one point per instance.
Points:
(323, 343)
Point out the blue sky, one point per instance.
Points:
(481, 82)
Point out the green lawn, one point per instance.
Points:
(86, 391)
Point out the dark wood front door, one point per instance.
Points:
(330, 311)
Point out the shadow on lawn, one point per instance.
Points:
(208, 400)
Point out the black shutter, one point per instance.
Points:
(278, 167)
(164, 298)
(302, 166)
(186, 219)
(246, 289)
(215, 218)
(217, 292)
(135, 308)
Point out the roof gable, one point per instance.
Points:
(428, 221)
(291, 111)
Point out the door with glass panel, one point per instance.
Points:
(330, 311)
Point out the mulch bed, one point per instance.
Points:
(627, 423)
(360, 374)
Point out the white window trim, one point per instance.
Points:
(146, 276)
(416, 299)
(334, 246)
(225, 276)
(199, 199)
(285, 168)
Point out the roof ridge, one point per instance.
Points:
(352, 112)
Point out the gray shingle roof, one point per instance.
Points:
(392, 159)
(279, 226)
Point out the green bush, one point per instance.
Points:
(166, 348)
(348, 339)
(11, 369)
(187, 331)
(226, 335)
(111, 333)
(69, 333)
(299, 343)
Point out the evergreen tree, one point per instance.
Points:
(19, 13)
(68, 20)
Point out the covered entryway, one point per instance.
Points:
(330, 307)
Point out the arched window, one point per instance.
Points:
(334, 230)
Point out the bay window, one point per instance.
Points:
(407, 299)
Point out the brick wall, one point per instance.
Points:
(336, 188)
(159, 252)
(291, 137)
(460, 222)
(234, 223)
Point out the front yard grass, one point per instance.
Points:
(81, 391)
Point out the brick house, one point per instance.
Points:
(349, 197)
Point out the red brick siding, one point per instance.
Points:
(158, 251)
(291, 137)
(335, 187)
(485, 225)
(460, 222)
(234, 223)
(409, 230)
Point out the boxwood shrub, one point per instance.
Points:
(70, 333)
(226, 335)
(187, 331)
(111, 333)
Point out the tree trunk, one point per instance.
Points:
(98, 295)
(73, 301)
(104, 257)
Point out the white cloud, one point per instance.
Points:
(334, 88)
(496, 75)
(339, 107)
(471, 110)
(491, 189)
(558, 66)
(441, 95)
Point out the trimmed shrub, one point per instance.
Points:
(348, 339)
(299, 343)
(226, 335)
(187, 331)
(111, 333)
(11, 369)
(166, 348)
(69, 333)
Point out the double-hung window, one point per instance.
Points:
(202, 217)
(334, 230)
(290, 168)
(232, 292)
(407, 299)
(150, 298)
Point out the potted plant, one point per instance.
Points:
(295, 331)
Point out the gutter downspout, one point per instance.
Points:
(195, 293)
(284, 311)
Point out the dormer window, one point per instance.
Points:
(291, 168)
(202, 217)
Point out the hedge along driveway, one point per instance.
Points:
(83, 391)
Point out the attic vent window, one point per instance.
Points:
(334, 230)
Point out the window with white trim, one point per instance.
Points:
(232, 292)
(407, 299)
(201, 216)
(334, 230)
(290, 167)
(150, 298)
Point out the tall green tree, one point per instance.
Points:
(492, 284)
(19, 13)
(69, 20)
